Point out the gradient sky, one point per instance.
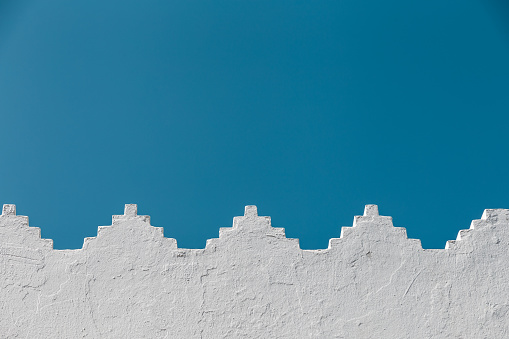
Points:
(308, 109)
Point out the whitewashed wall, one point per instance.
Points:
(253, 282)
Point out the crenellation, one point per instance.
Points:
(371, 222)
(493, 216)
(9, 217)
(127, 231)
(371, 227)
(9, 209)
(491, 229)
(131, 210)
(14, 229)
(371, 210)
(130, 213)
(251, 220)
(253, 282)
(250, 211)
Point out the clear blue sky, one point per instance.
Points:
(308, 109)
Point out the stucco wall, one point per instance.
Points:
(253, 282)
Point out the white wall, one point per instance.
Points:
(253, 282)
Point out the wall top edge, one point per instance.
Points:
(371, 222)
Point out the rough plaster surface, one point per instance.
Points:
(253, 282)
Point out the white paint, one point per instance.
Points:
(253, 282)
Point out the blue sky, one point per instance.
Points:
(308, 109)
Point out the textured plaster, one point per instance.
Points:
(253, 282)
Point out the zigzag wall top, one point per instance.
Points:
(253, 282)
(14, 225)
